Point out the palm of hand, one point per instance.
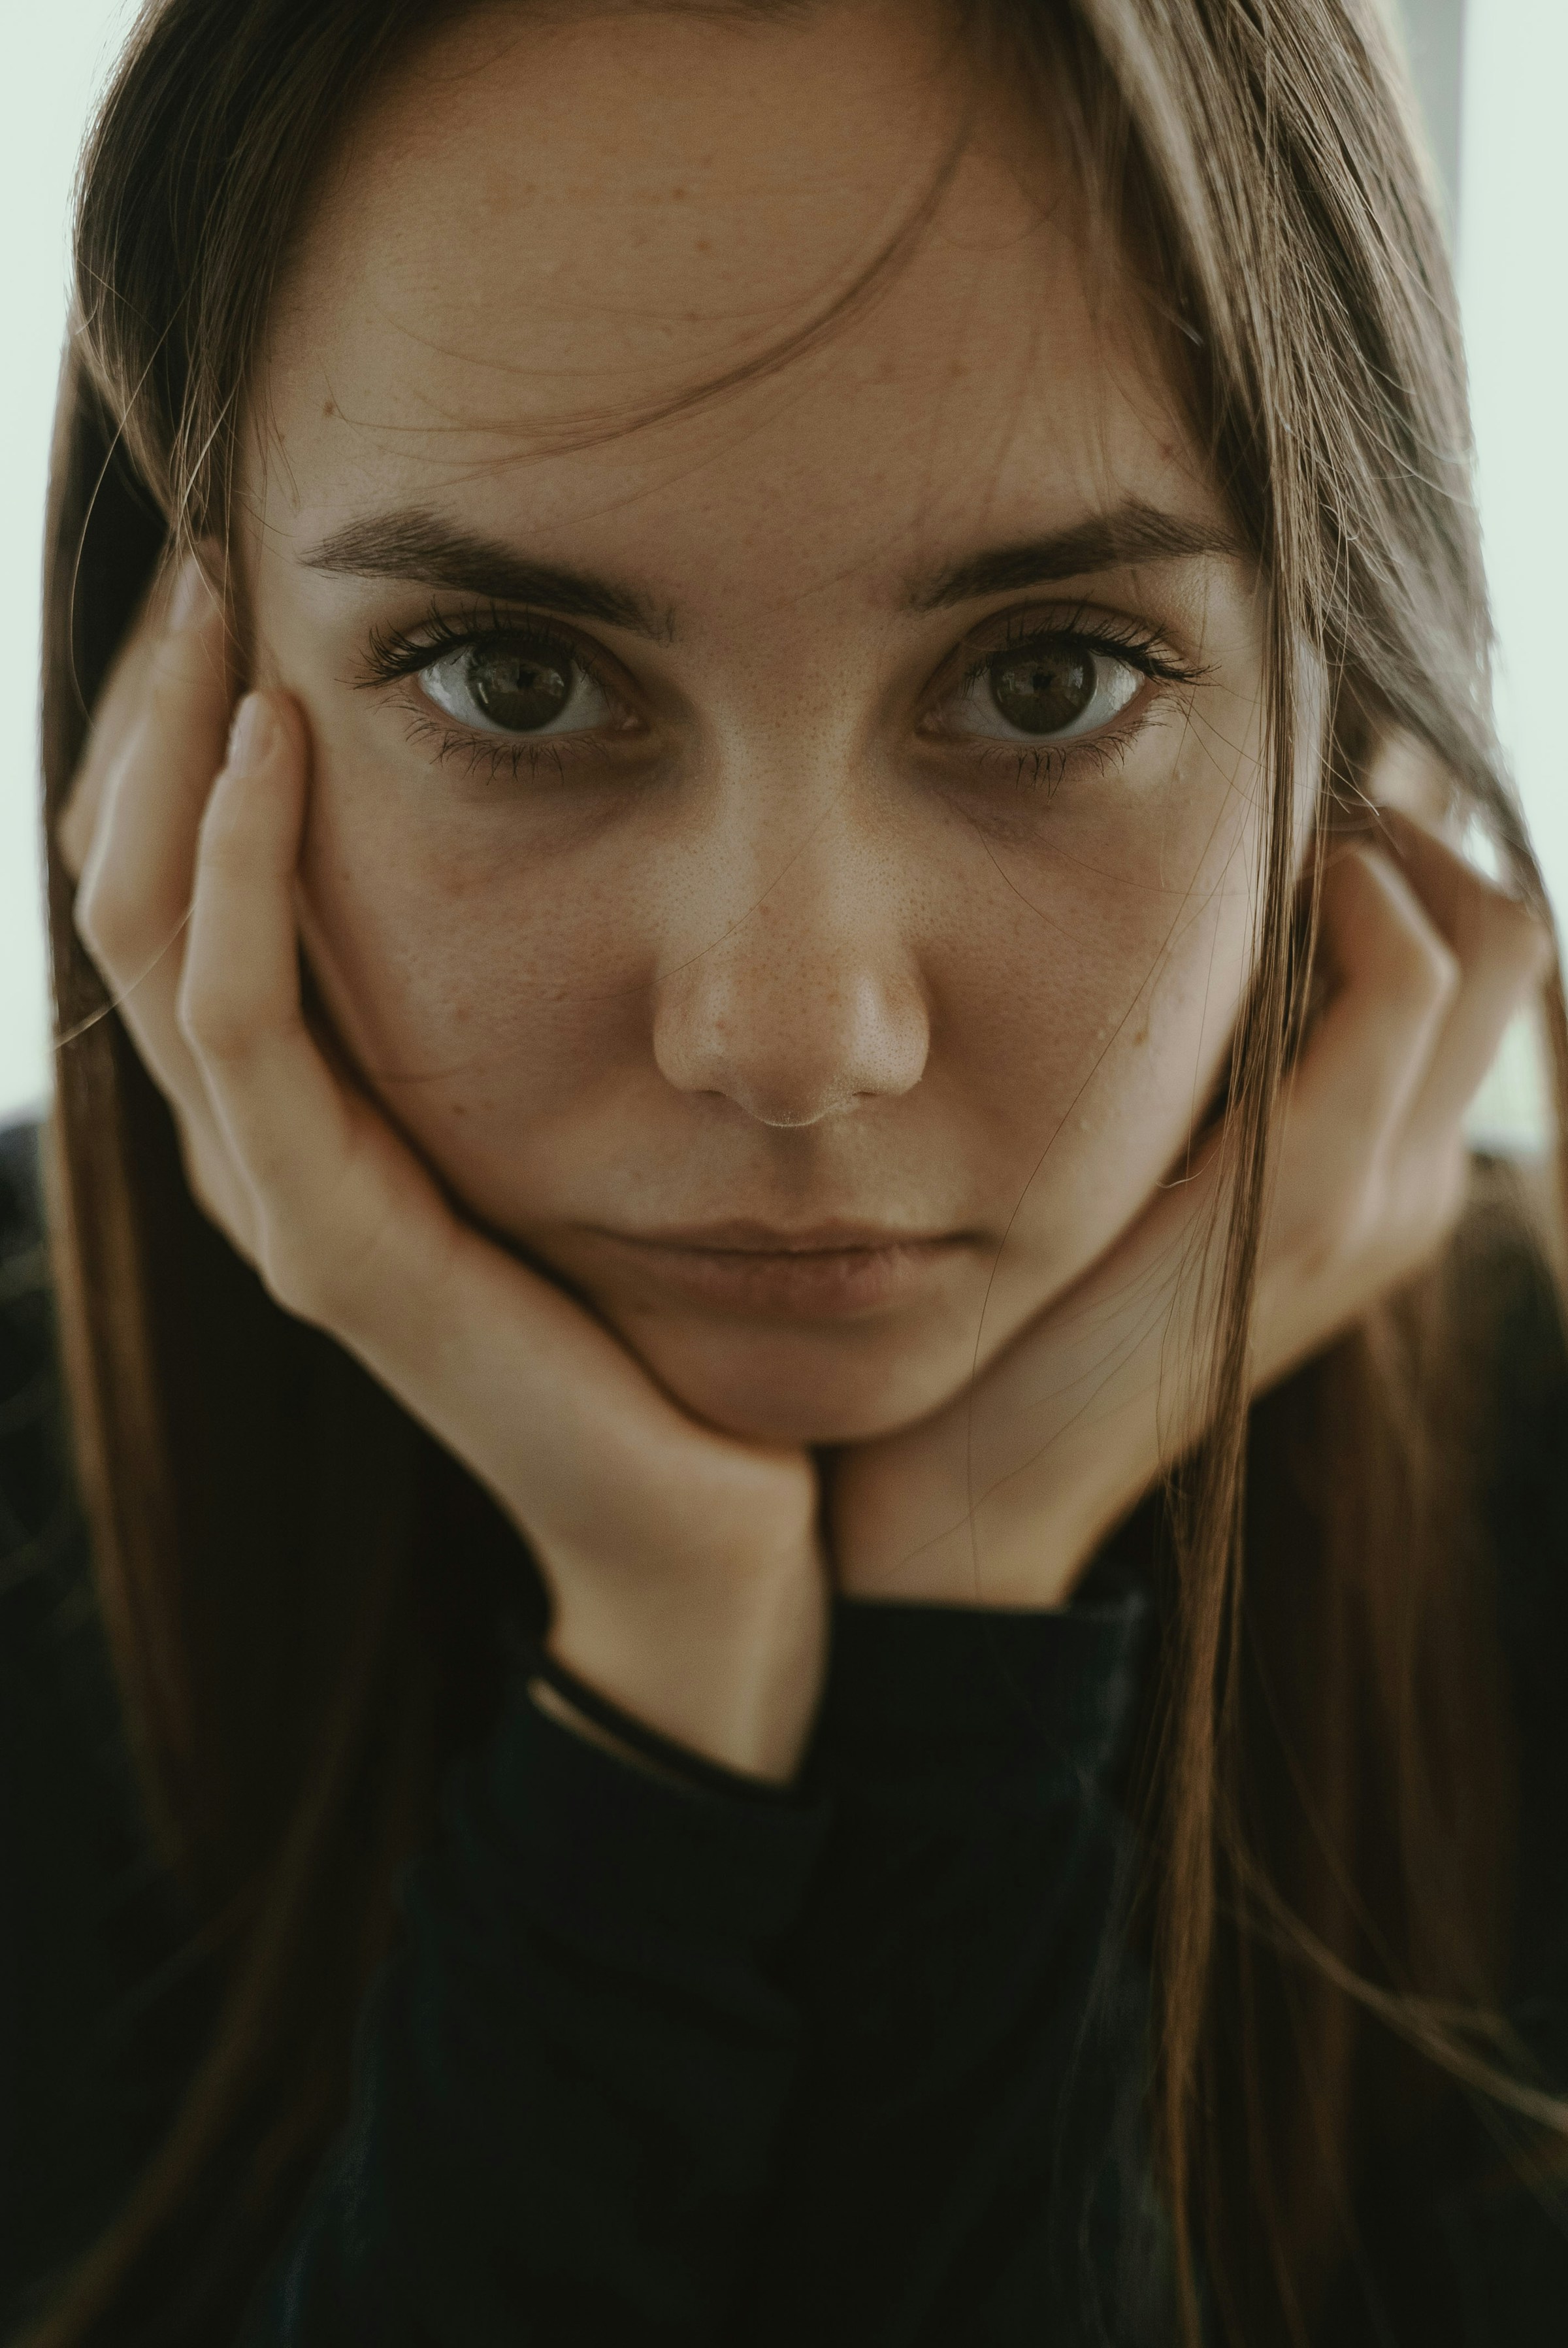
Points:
(1000, 1498)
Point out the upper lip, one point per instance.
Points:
(738, 1237)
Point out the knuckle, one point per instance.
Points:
(1414, 963)
(209, 1191)
(1340, 1247)
(295, 1276)
(1417, 1211)
(1517, 939)
(1432, 1197)
(216, 1189)
(1332, 1224)
(1435, 970)
(218, 1029)
(315, 1274)
(108, 925)
(312, 1288)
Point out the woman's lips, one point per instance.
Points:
(832, 1273)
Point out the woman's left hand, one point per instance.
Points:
(1002, 1496)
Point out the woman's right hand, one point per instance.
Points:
(685, 1567)
(1003, 1497)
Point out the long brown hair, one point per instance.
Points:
(1323, 1857)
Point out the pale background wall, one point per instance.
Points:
(58, 53)
(1492, 73)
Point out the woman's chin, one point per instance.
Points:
(792, 1388)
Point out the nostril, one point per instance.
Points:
(790, 1054)
(785, 1118)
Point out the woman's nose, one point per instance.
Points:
(804, 1004)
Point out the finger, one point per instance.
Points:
(238, 1008)
(1001, 1495)
(352, 1232)
(1408, 776)
(1502, 952)
(348, 1227)
(1395, 981)
(117, 709)
(135, 886)
(156, 744)
(1358, 1203)
(177, 600)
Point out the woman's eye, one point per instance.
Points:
(1048, 691)
(516, 684)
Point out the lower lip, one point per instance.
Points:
(803, 1284)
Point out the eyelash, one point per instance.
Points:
(394, 656)
(1141, 648)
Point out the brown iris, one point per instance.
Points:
(520, 687)
(1044, 688)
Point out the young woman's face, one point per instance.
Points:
(786, 862)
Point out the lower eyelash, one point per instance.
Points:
(497, 758)
(513, 759)
(395, 657)
(1044, 770)
(506, 757)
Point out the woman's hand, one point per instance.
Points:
(684, 1567)
(1001, 1497)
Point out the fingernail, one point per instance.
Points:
(249, 736)
(192, 598)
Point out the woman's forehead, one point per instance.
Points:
(535, 252)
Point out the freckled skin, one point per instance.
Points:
(788, 958)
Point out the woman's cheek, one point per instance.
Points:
(1109, 1015)
(474, 993)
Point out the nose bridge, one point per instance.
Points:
(802, 995)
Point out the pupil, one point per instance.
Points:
(1042, 692)
(519, 688)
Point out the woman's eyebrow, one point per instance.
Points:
(1132, 532)
(415, 544)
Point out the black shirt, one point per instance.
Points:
(650, 2064)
